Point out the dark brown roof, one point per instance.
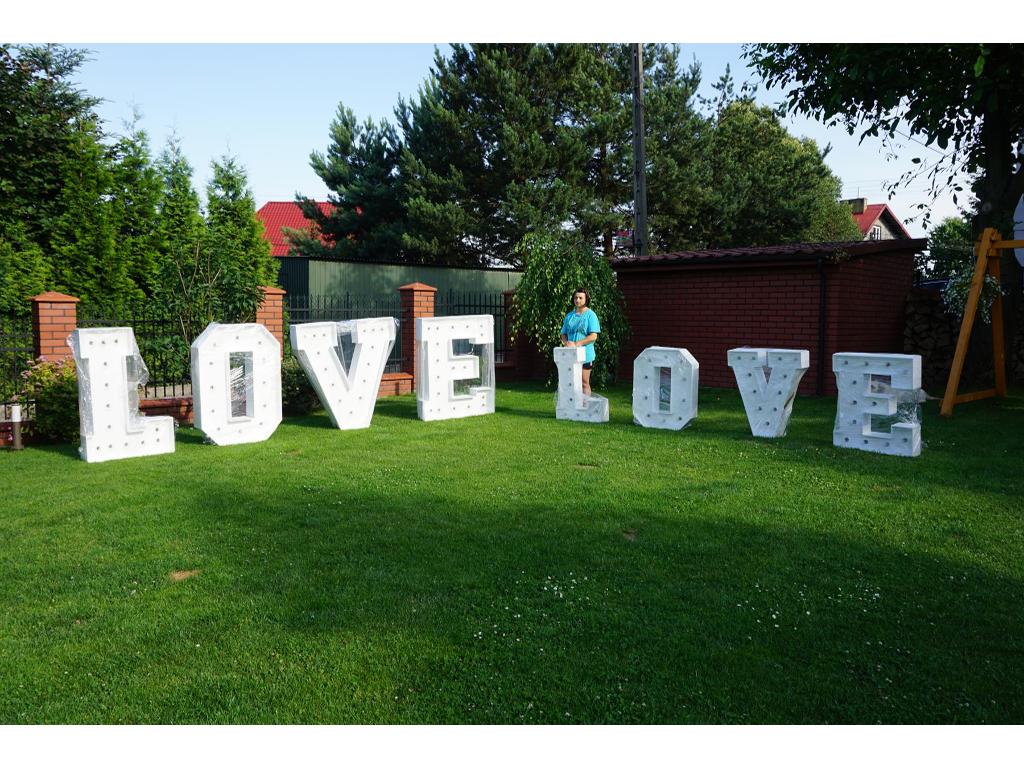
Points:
(773, 253)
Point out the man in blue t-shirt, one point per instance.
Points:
(580, 329)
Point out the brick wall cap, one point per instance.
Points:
(418, 287)
(767, 254)
(269, 290)
(55, 298)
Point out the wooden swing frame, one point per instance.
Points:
(987, 250)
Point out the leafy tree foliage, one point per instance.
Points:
(950, 249)
(556, 265)
(92, 215)
(964, 98)
(24, 272)
(234, 238)
(765, 186)
(505, 140)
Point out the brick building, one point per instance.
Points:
(823, 297)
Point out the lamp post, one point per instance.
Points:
(639, 157)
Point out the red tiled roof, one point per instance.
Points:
(769, 253)
(277, 215)
(872, 213)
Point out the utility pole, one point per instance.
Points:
(639, 156)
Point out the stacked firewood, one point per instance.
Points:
(931, 331)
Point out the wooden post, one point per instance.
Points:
(987, 252)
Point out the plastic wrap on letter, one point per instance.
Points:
(572, 404)
(110, 372)
(864, 393)
(768, 380)
(671, 404)
(236, 402)
(349, 395)
(449, 384)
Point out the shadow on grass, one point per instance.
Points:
(505, 611)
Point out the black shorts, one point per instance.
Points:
(587, 366)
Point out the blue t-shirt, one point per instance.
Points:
(577, 327)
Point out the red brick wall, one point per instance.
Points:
(871, 304)
(711, 309)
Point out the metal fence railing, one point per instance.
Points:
(313, 309)
(467, 303)
(16, 352)
(162, 344)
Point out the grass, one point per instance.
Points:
(517, 569)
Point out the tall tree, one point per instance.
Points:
(81, 241)
(965, 99)
(135, 200)
(360, 168)
(766, 187)
(234, 241)
(41, 129)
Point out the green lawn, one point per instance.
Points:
(513, 568)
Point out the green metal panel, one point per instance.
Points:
(333, 278)
(293, 275)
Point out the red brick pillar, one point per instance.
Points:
(417, 301)
(54, 317)
(271, 313)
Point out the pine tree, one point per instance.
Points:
(360, 168)
(180, 221)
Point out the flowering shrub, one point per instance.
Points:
(54, 388)
(954, 295)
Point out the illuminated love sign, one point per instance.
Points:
(768, 380)
(349, 394)
(110, 372)
(441, 369)
(236, 384)
(572, 404)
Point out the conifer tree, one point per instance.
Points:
(135, 200)
(360, 168)
(233, 242)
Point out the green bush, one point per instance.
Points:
(297, 395)
(54, 388)
(556, 265)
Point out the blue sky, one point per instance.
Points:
(270, 105)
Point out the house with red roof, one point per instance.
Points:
(877, 221)
(278, 216)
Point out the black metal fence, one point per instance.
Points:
(314, 309)
(162, 344)
(16, 351)
(493, 303)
